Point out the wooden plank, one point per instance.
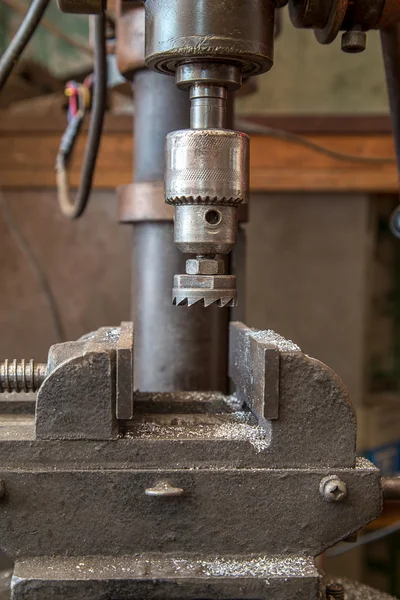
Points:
(27, 161)
(301, 124)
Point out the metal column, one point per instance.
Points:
(176, 348)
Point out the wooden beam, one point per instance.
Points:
(27, 157)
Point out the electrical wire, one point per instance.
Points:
(367, 538)
(287, 136)
(23, 246)
(21, 38)
(74, 208)
(50, 26)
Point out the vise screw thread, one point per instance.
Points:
(21, 376)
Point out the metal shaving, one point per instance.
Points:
(239, 427)
(271, 337)
(364, 463)
(254, 434)
(233, 402)
(291, 566)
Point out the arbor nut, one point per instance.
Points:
(333, 489)
(204, 266)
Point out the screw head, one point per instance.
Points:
(354, 41)
(333, 489)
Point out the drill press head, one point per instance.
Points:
(208, 46)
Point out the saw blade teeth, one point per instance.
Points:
(209, 301)
(179, 301)
(225, 301)
(193, 301)
(230, 302)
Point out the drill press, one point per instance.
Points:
(111, 493)
(209, 47)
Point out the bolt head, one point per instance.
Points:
(333, 489)
(354, 41)
(204, 266)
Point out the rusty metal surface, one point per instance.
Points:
(129, 38)
(390, 15)
(143, 201)
(327, 33)
(310, 13)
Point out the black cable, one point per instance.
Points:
(75, 208)
(21, 38)
(35, 266)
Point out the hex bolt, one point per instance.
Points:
(334, 591)
(333, 489)
(21, 376)
(204, 266)
(354, 41)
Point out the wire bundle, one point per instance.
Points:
(77, 106)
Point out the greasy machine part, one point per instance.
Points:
(209, 49)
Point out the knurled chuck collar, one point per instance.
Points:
(207, 166)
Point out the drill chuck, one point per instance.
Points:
(207, 166)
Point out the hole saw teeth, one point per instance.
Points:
(220, 302)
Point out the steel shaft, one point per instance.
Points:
(174, 349)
